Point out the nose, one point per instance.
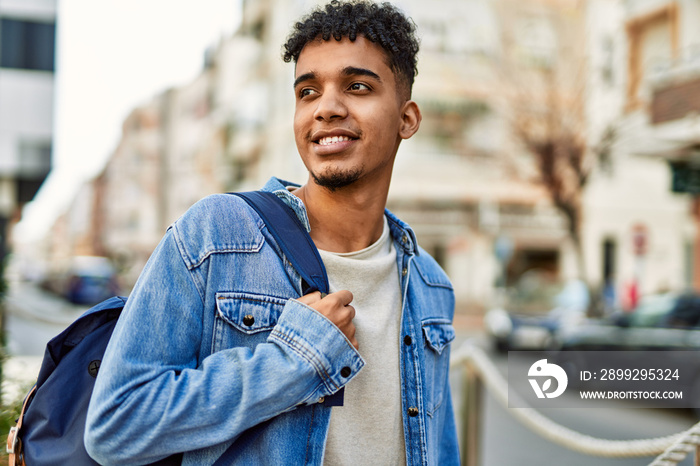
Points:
(330, 106)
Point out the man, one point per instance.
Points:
(213, 350)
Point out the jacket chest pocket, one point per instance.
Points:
(438, 334)
(244, 319)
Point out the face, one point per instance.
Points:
(350, 117)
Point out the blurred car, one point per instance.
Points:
(512, 331)
(665, 326)
(84, 280)
(667, 321)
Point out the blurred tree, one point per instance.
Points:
(544, 68)
(561, 159)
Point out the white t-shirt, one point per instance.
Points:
(368, 428)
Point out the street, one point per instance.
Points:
(34, 317)
(505, 441)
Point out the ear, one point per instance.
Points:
(410, 119)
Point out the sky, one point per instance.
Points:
(111, 56)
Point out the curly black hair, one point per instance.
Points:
(381, 23)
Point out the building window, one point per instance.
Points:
(607, 70)
(448, 123)
(609, 255)
(34, 165)
(537, 40)
(466, 28)
(538, 262)
(689, 264)
(439, 253)
(653, 39)
(27, 45)
(34, 159)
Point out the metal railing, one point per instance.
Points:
(480, 373)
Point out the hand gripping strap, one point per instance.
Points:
(297, 246)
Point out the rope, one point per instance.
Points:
(671, 449)
(678, 450)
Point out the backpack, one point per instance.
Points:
(51, 424)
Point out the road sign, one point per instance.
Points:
(640, 239)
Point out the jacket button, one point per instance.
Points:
(345, 371)
(407, 340)
(404, 271)
(413, 412)
(248, 320)
(321, 400)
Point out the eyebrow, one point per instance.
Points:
(347, 71)
(304, 77)
(354, 71)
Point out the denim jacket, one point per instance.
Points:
(212, 348)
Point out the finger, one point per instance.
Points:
(310, 298)
(350, 331)
(342, 317)
(344, 297)
(351, 311)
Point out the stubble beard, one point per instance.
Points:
(333, 180)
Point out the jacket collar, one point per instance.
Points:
(279, 188)
(402, 233)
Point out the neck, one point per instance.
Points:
(345, 220)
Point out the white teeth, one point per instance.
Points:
(332, 140)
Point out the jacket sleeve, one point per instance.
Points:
(152, 398)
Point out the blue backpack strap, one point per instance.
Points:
(297, 245)
(295, 242)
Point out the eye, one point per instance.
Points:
(306, 92)
(359, 87)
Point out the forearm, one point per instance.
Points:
(152, 397)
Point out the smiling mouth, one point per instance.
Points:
(329, 140)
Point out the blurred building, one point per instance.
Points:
(27, 61)
(462, 181)
(662, 103)
(643, 229)
(497, 80)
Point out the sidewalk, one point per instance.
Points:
(29, 302)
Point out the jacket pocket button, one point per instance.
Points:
(345, 371)
(248, 320)
(413, 412)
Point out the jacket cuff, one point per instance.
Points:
(314, 338)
